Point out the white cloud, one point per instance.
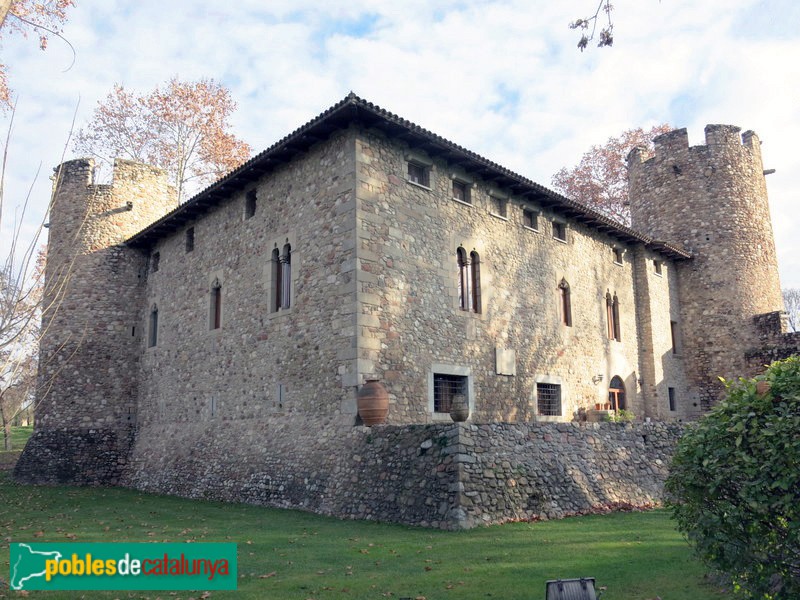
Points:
(503, 78)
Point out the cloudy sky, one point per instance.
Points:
(503, 78)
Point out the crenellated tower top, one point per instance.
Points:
(711, 199)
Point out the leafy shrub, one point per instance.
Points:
(734, 484)
(620, 416)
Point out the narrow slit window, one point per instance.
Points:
(617, 256)
(155, 261)
(672, 399)
(657, 268)
(673, 331)
(152, 334)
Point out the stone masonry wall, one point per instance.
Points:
(447, 476)
(87, 388)
(261, 363)
(774, 342)
(410, 324)
(712, 199)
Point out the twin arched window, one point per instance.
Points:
(612, 314)
(566, 303)
(282, 278)
(469, 280)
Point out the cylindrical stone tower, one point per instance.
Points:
(87, 390)
(712, 199)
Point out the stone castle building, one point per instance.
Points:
(216, 349)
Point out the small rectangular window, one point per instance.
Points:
(419, 174)
(445, 388)
(499, 206)
(461, 191)
(190, 239)
(155, 260)
(672, 402)
(530, 219)
(250, 205)
(560, 231)
(657, 267)
(617, 256)
(548, 399)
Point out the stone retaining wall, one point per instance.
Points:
(446, 476)
(75, 457)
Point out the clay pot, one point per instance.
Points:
(373, 403)
(459, 408)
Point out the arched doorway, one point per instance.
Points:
(616, 393)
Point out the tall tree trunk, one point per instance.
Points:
(6, 423)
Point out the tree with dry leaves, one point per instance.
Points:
(42, 17)
(21, 286)
(181, 127)
(600, 179)
(606, 34)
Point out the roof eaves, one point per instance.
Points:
(352, 108)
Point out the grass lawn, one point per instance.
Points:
(290, 554)
(19, 435)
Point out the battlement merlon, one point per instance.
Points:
(82, 172)
(719, 139)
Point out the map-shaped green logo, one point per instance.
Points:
(28, 564)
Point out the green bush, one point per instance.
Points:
(734, 484)
(620, 416)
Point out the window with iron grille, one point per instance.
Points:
(461, 191)
(548, 399)
(560, 231)
(530, 219)
(418, 173)
(499, 206)
(445, 388)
